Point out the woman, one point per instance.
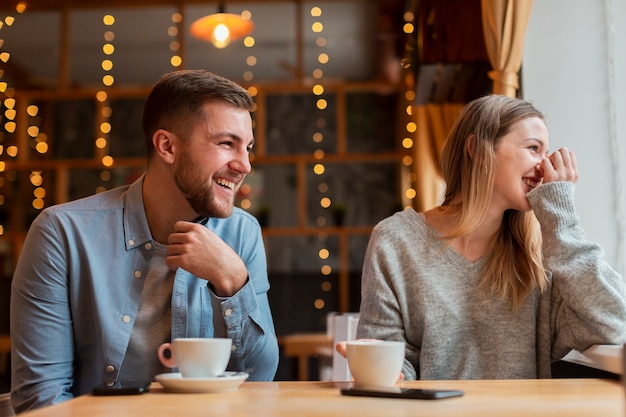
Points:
(499, 280)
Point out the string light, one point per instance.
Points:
(9, 126)
(408, 142)
(251, 61)
(174, 30)
(319, 168)
(102, 141)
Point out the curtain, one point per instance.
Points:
(434, 121)
(504, 27)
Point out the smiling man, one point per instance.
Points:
(103, 281)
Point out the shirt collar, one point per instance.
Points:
(136, 229)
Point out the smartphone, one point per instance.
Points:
(123, 388)
(407, 393)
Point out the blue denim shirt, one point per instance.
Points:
(77, 287)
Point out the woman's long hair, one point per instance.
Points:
(514, 268)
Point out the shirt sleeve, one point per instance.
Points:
(42, 352)
(246, 317)
(588, 300)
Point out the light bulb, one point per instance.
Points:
(221, 36)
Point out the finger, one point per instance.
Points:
(557, 160)
(340, 347)
(183, 226)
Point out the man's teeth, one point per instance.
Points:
(225, 183)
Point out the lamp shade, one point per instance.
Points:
(221, 28)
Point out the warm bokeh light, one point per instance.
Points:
(318, 89)
(176, 61)
(325, 202)
(108, 49)
(101, 96)
(38, 203)
(35, 178)
(41, 147)
(107, 65)
(107, 160)
(248, 41)
(407, 143)
(33, 131)
(101, 143)
(39, 192)
(319, 169)
(105, 175)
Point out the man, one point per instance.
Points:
(103, 281)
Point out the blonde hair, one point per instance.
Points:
(514, 268)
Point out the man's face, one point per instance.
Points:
(214, 160)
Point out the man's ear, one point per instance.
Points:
(164, 143)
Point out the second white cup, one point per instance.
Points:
(375, 363)
(197, 357)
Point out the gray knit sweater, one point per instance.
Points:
(416, 291)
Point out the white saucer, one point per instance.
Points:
(175, 382)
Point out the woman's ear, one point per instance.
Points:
(164, 143)
(469, 145)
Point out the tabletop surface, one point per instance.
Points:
(548, 397)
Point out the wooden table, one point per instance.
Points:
(511, 398)
(305, 345)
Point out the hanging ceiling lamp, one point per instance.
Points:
(221, 28)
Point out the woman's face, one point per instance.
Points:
(518, 155)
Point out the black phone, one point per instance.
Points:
(123, 388)
(407, 393)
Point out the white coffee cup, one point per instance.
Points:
(375, 363)
(197, 357)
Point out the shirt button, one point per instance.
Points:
(110, 368)
(131, 242)
(126, 319)
(110, 383)
(148, 246)
(228, 312)
(137, 274)
(233, 348)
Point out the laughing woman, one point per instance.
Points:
(499, 280)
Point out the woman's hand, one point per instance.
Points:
(559, 166)
(341, 348)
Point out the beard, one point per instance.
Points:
(200, 196)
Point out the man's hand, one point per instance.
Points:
(198, 250)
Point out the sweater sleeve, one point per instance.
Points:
(588, 301)
(380, 314)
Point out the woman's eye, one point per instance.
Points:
(534, 148)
